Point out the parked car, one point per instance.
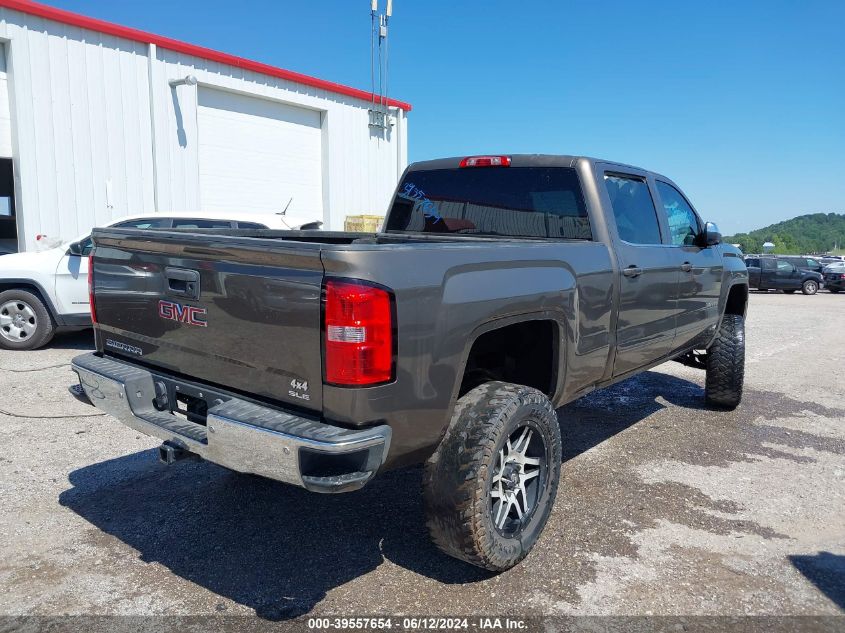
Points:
(778, 273)
(827, 261)
(46, 291)
(834, 276)
(502, 287)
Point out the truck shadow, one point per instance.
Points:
(278, 549)
(826, 571)
(82, 340)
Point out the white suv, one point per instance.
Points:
(47, 291)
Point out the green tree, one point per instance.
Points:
(813, 233)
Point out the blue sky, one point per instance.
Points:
(741, 103)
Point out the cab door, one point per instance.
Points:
(768, 274)
(787, 276)
(72, 280)
(648, 277)
(699, 267)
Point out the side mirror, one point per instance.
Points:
(74, 248)
(712, 234)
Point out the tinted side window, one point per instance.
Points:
(683, 223)
(753, 262)
(769, 264)
(250, 225)
(145, 223)
(87, 245)
(633, 208)
(785, 266)
(193, 223)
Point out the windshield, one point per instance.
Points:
(544, 202)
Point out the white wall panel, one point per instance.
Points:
(5, 115)
(92, 114)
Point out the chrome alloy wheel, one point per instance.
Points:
(518, 480)
(17, 321)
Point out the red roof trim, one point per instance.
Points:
(74, 19)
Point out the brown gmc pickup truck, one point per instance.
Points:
(500, 288)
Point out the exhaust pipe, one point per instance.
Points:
(169, 453)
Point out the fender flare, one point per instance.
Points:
(502, 322)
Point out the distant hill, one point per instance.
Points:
(814, 233)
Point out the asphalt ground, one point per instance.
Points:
(665, 507)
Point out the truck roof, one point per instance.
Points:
(523, 160)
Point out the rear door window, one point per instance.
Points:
(540, 202)
(633, 209)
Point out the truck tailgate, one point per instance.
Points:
(239, 313)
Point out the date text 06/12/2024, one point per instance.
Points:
(418, 623)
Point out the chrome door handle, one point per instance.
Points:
(686, 267)
(632, 271)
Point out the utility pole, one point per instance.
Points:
(379, 52)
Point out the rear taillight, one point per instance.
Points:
(486, 161)
(358, 321)
(91, 288)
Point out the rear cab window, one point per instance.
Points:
(531, 202)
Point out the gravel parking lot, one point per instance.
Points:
(664, 508)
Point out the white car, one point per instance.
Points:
(47, 291)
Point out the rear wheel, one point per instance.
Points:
(25, 322)
(726, 364)
(490, 485)
(810, 287)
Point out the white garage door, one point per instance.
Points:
(258, 155)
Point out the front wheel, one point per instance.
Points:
(726, 364)
(25, 322)
(490, 485)
(810, 287)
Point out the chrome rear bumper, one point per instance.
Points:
(239, 434)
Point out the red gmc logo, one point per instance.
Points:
(184, 314)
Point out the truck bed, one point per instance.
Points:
(254, 322)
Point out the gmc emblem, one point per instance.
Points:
(183, 314)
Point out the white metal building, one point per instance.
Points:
(95, 124)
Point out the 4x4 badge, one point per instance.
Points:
(298, 386)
